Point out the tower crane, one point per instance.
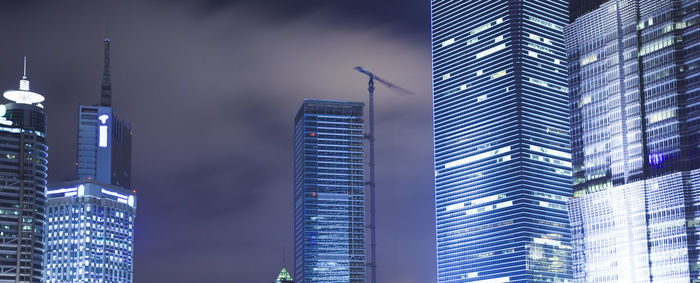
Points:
(372, 227)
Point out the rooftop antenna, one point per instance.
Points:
(372, 227)
(24, 76)
(23, 95)
(106, 96)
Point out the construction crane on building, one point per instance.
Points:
(372, 227)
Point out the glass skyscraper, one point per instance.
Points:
(104, 141)
(635, 98)
(329, 199)
(502, 148)
(23, 159)
(89, 233)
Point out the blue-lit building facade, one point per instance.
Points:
(635, 106)
(89, 233)
(329, 199)
(104, 141)
(23, 160)
(502, 147)
(90, 228)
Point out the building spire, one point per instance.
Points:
(106, 77)
(24, 82)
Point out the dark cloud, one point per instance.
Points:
(211, 90)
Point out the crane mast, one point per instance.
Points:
(372, 225)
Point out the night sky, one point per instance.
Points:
(211, 89)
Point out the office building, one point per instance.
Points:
(329, 206)
(23, 159)
(104, 141)
(502, 147)
(635, 97)
(89, 233)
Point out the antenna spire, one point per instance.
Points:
(24, 76)
(106, 76)
(24, 82)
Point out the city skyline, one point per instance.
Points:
(189, 99)
(480, 177)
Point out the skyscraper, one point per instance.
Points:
(89, 233)
(104, 141)
(635, 141)
(329, 201)
(23, 159)
(502, 153)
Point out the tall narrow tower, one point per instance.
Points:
(22, 184)
(104, 141)
(93, 217)
(502, 154)
(329, 197)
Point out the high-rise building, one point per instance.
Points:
(284, 277)
(329, 200)
(23, 159)
(634, 70)
(502, 148)
(104, 141)
(89, 233)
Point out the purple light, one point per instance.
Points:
(656, 159)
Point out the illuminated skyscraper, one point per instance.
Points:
(635, 93)
(90, 230)
(329, 200)
(104, 141)
(89, 233)
(502, 148)
(23, 159)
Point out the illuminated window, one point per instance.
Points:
(103, 136)
(448, 42)
(490, 51)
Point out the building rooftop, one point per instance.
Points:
(284, 277)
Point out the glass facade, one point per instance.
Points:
(89, 233)
(635, 96)
(502, 148)
(329, 206)
(23, 160)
